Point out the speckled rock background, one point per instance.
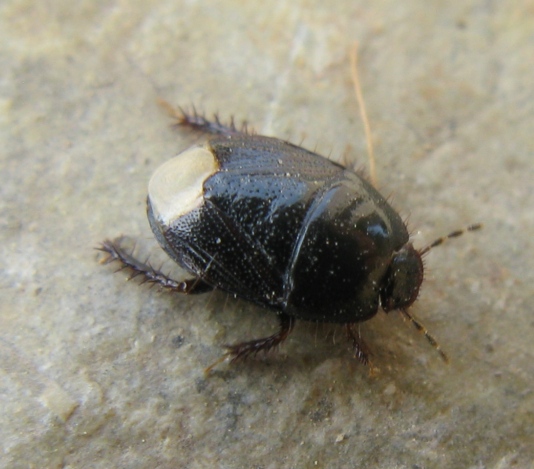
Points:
(100, 373)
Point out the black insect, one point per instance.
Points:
(281, 227)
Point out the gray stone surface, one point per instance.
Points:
(99, 373)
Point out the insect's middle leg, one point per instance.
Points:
(244, 349)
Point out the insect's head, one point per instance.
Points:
(405, 274)
(403, 279)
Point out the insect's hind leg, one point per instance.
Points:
(115, 252)
(199, 122)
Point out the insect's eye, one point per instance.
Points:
(403, 279)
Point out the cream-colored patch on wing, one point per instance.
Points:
(176, 186)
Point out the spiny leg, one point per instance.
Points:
(360, 348)
(427, 334)
(244, 349)
(138, 268)
(197, 121)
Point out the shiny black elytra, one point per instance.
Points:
(281, 227)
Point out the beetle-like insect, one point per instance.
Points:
(281, 227)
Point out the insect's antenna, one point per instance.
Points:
(427, 334)
(363, 112)
(454, 234)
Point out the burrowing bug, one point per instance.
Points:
(281, 227)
